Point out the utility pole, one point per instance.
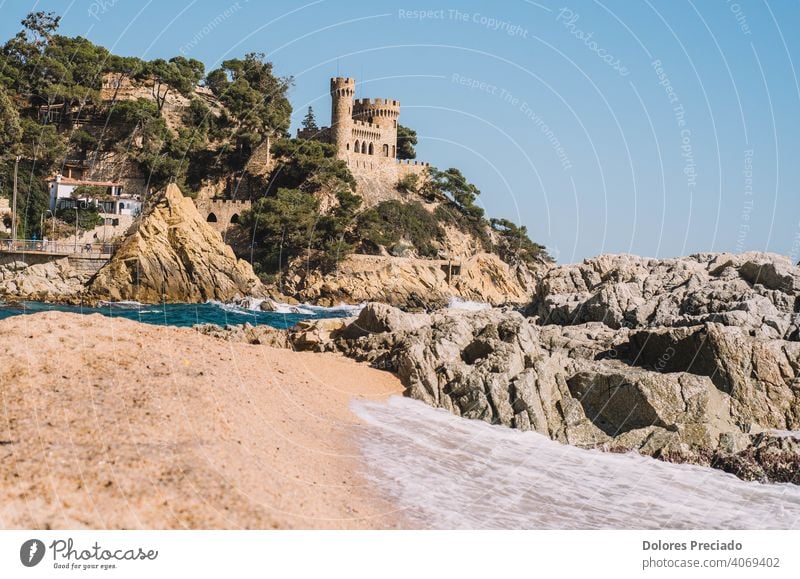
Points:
(14, 206)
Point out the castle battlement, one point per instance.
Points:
(377, 103)
(365, 124)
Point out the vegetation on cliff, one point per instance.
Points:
(61, 102)
(311, 210)
(289, 221)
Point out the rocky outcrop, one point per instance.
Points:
(692, 381)
(173, 255)
(51, 281)
(247, 333)
(411, 283)
(758, 292)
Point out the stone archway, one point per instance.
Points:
(212, 218)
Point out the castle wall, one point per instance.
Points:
(221, 212)
(376, 177)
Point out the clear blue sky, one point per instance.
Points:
(657, 127)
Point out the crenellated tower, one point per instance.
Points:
(342, 92)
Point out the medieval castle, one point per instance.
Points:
(364, 132)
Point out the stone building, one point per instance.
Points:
(364, 132)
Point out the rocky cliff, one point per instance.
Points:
(412, 283)
(173, 255)
(694, 359)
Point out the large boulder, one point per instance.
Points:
(173, 255)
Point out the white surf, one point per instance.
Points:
(448, 472)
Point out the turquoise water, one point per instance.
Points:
(187, 314)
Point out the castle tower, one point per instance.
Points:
(342, 92)
(382, 113)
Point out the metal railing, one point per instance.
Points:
(57, 247)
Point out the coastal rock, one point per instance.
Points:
(410, 283)
(316, 335)
(759, 292)
(172, 255)
(761, 375)
(247, 333)
(54, 280)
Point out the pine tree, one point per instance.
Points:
(309, 121)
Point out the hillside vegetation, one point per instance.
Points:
(66, 102)
(62, 103)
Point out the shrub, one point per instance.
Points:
(389, 222)
(408, 184)
(88, 218)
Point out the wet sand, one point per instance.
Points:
(109, 423)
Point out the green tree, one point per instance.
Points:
(408, 183)
(83, 140)
(309, 166)
(309, 121)
(23, 55)
(89, 192)
(10, 128)
(515, 246)
(406, 141)
(176, 74)
(126, 68)
(451, 185)
(88, 217)
(255, 99)
(40, 26)
(288, 222)
(283, 225)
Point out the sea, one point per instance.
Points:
(211, 312)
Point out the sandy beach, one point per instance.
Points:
(109, 424)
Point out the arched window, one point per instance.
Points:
(348, 146)
(211, 218)
(371, 149)
(386, 150)
(356, 149)
(364, 147)
(235, 218)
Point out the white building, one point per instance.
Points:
(5, 215)
(115, 202)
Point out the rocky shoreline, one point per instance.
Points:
(693, 360)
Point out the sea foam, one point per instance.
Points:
(449, 472)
